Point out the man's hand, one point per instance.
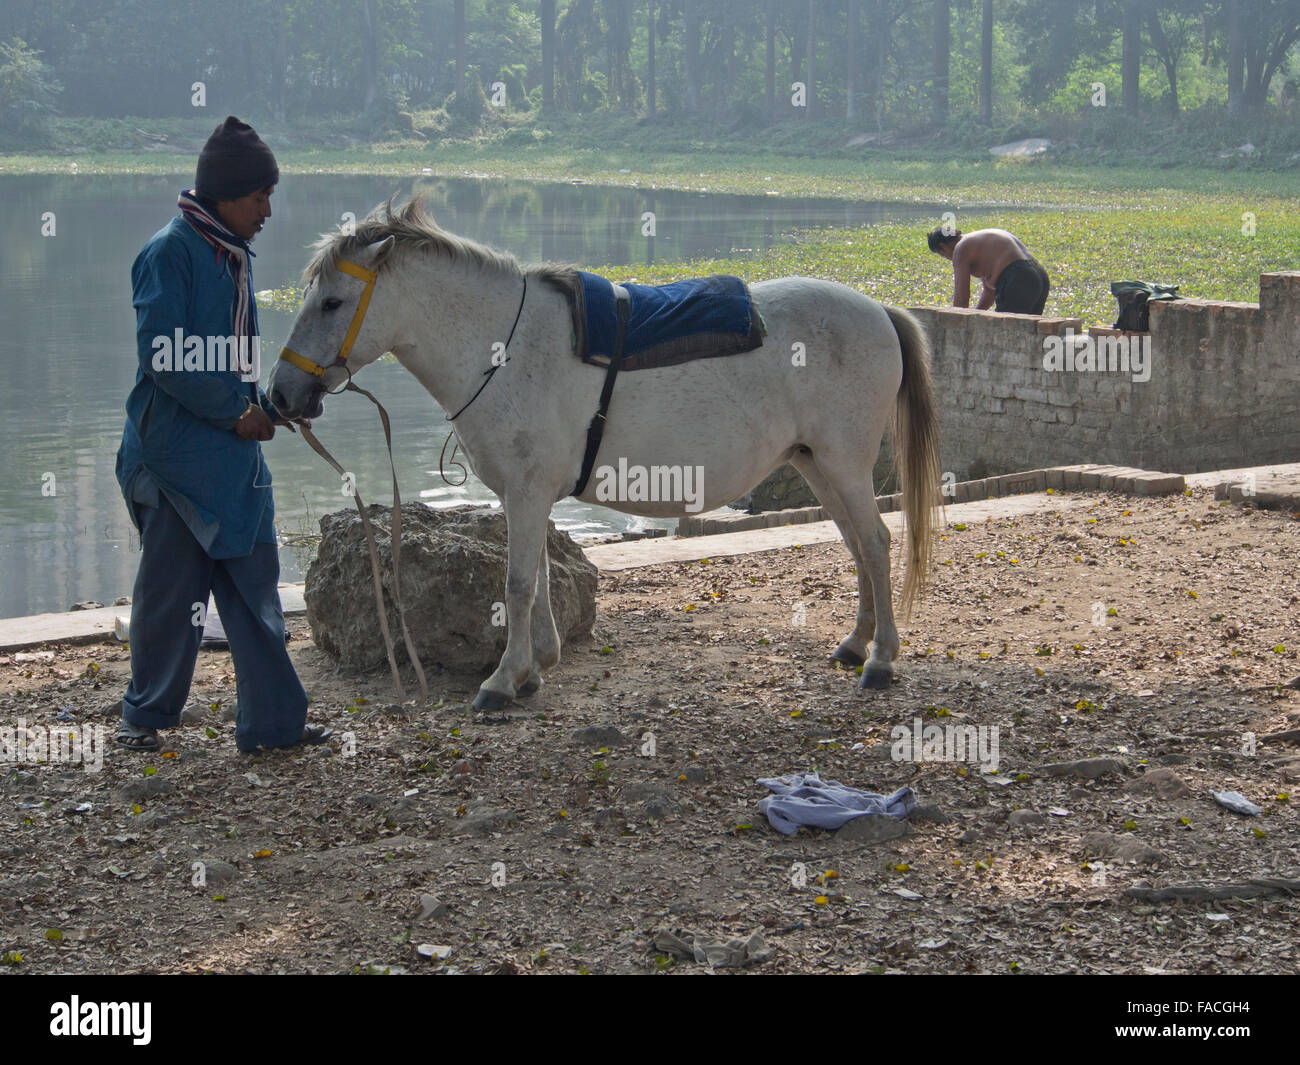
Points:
(255, 425)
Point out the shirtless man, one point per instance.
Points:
(1014, 281)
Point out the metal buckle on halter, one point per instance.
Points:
(337, 375)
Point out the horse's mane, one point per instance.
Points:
(414, 228)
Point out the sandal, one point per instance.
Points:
(135, 738)
(316, 734)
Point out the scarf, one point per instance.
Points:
(214, 231)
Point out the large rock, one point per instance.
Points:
(453, 575)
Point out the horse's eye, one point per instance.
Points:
(331, 304)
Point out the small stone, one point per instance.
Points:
(215, 871)
(229, 713)
(971, 835)
(403, 812)
(929, 812)
(155, 818)
(656, 800)
(433, 951)
(871, 828)
(1087, 768)
(191, 716)
(598, 736)
(1161, 784)
(486, 819)
(1124, 848)
(1025, 818)
(431, 909)
(144, 788)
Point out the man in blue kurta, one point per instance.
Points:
(191, 466)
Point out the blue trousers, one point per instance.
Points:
(176, 573)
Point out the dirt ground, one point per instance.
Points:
(1158, 634)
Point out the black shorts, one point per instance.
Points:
(1021, 288)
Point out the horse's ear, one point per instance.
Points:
(377, 252)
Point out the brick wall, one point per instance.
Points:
(1223, 387)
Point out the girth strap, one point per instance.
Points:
(622, 308)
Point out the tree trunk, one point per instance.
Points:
(771, 60)
(1132, 56)
(811, 97)
(279, 61)
(879, 50)
(460, 48)
(726, 69)
(1235, 58)
(986, 63)
(546, 9)
(692, 55)
(942, 43)
(798, 51)
(650, 63)
(370, 53)
(1165, 50)
(851, 67)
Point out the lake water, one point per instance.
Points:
(67, 347)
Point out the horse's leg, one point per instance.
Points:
(545, 637)
(852, 650)
(842, 479)
(526, 532)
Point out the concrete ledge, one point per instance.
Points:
(1097, 478)
(91, 626)
(717, 522)
(1274, 494)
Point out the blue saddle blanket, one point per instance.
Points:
(699, 318)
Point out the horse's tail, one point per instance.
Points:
(917, 438)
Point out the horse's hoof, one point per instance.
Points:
(850, 658)
(877, 678)
(489, 701)
(530, 686)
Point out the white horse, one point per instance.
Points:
(818, 394)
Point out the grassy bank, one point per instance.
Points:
(1090, 221)
(1200, 248)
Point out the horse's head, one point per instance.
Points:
(333, 336)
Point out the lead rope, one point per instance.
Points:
(389, 646)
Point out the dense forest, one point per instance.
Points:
(878, 64)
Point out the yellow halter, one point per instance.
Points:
(358, 316)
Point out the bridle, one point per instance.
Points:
(358, 316)
(395, 533)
